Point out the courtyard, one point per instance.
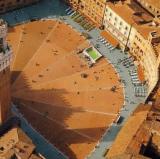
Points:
(69, 103)
(48, 12)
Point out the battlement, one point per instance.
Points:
(5, 51)
(3, 28)
(5, 59)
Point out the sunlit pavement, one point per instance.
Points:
(131, 101)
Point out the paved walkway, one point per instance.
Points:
(55, 9)
(131, 101)
(42, 145)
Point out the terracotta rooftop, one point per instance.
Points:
(16, 143)
(134, 13)
(156, 140)
(128, 156)
(130, 128)
(155, 3)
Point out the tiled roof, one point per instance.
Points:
(128, 131)
(16, 143)
(131, 9)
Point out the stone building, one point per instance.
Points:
(134, 25)
(5, 59)
(139, 138)
(93, 9)
(137, 31)
(14, 143)
(7, 5)
(153, 6)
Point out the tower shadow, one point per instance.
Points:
(51, 120)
